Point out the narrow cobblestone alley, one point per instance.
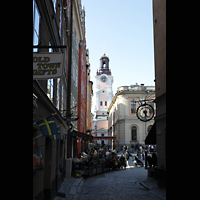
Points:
(99, 91)
(123, 184)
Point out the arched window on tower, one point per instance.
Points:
(104, 63)
(134, 133)
(101, 103)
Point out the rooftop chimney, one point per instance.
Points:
(142, 86)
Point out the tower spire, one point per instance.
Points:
(104, 66)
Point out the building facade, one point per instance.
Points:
(50, 23)
(159, 28)
(82, 87)
(122, 120)
(77, 55)
(103, 96)
(51, 33)
(89, 86)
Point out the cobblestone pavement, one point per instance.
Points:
(122, 185)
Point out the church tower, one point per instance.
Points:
(104, 96)
(104, 81)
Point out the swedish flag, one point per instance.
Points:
(47, 126)
(56, 136)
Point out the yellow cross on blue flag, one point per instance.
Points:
(56, 136)
(47, 126)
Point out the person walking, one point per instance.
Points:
(143, 153)
(122, 161)
(124, 149)
(127, 157)
(139, 154)
(132, 146)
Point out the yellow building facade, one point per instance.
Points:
(122, 120)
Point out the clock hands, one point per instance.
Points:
(103, 78)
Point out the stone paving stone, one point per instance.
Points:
(117, 185)
(114, 185)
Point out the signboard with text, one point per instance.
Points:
(48, 65)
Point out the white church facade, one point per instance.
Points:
(103, 96)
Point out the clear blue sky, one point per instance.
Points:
(125, 28)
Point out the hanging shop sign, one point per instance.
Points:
(145, 112)
(48, 65)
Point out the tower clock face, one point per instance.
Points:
(103, 78)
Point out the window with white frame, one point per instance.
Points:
(50, 82)
(36, 25)
(58, 93)
(133, 107)
(50, 89)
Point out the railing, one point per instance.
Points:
(91, 169)
(88, 169)
(136, 88)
